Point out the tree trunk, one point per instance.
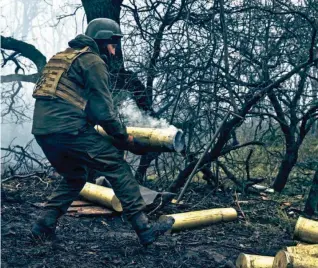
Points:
(144, 163)
(311, 206)
(289, 160)
(215, 152)
(180, 180)
(102, 9)
(122, 78)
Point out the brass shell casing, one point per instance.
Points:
(194, 219)
(306, 230)
(158, 139)
(309, 250)
(101, 195)
(284, 259)
(254, 261)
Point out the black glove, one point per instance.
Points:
(137, 146)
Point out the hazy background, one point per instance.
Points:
(189, 84)
(37, 23)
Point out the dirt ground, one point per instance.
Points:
(265, 227)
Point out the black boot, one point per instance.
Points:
(44, 227)
(149, 232)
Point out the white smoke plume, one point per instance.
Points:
(134, 117)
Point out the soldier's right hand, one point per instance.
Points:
(136, 146)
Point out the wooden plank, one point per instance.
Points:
(89, 211)
(77, 203)
(81, 203)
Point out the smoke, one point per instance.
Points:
(134, 117)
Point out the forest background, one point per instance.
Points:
(185, 63)
(247, 68)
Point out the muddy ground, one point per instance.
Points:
(266, 226)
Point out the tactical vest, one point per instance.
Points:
(54, 82)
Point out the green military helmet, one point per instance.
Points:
(104, 29)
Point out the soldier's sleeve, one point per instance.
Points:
(100, 108)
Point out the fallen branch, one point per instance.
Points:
(238, 205)
(23, 176)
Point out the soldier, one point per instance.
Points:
(72, 96)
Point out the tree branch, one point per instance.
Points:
(31, 78)
(26, 50)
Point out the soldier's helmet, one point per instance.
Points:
(104, 29)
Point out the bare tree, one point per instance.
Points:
(190, 62)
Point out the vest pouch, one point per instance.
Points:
(54, 82)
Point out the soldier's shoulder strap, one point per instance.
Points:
(70, 54)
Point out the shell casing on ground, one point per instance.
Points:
(284, 259)
(306, 230)
(254, 261)
(309, 250)
(101, 195)
(199, 218)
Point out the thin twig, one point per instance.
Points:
(238, 205)
(159, 206)
(35, 174)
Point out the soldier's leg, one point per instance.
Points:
(118, 173)
(74, 178)
(110, 162)
(57, 205)
(66, 192)
(93, 151)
